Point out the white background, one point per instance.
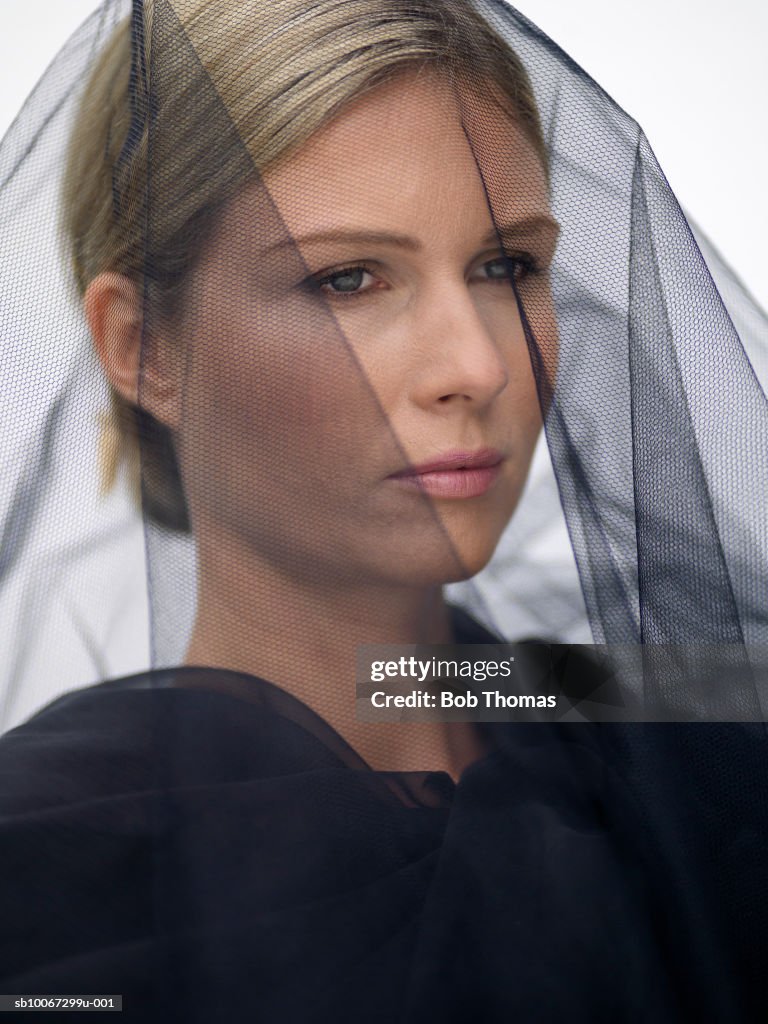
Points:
(694, 73)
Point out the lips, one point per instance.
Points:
(457, 474)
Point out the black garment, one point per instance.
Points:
(212, 858)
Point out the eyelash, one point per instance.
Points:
(526, 261)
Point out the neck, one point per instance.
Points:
(254, 618)
(303, 637)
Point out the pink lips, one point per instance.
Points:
(454, 475)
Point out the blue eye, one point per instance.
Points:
(347, 281)
(510, 268)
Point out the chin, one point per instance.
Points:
(436, 561)
(471, 564)
(474, 539)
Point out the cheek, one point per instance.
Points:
(529, 355)
(539, 311)
(275, 402)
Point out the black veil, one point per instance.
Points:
(228, 849)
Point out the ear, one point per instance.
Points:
(113, 310)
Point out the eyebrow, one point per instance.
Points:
(505, 232)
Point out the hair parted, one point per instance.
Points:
(279, 70)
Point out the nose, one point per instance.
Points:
(460, 362)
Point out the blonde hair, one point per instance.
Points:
(278, 70)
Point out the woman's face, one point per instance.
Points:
(352, 320)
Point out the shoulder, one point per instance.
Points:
(125, 735)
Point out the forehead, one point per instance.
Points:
(413, 152)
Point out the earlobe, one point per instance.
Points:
(113, 309)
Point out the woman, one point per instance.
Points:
(313, 248)
(352, 293)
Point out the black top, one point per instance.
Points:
(218, 852)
